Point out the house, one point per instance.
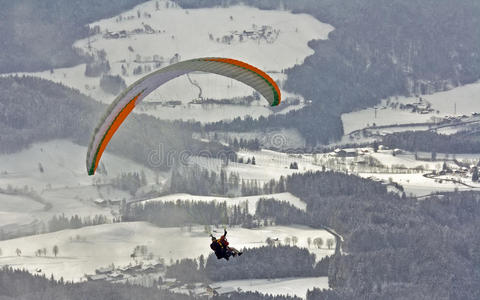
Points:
(122, 34)
(96, 277)
(100, 202)
(116, 276)
(114, 202)
(105, 270)
(345, 153)
(397, 151)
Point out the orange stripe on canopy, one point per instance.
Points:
(251, 68)
(113, 128)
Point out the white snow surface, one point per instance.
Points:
(463, 100)
(185, 34)
(239, 201)
(191, 29)
(64, 182)
(103, 245)
(280, 286)
(271, 164)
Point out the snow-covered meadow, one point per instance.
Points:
(281, 286)
(403, 168)
(83, 250)
(247, 201)
(56, 172)
(462, 100)
(151, 37)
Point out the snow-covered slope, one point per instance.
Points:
(56, 172)
(272, 40)
(241, 201)
(463, 100)
(83, 250)
(402, 168)
(281, 286)
(269, 164)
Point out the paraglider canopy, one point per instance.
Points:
(118, 111)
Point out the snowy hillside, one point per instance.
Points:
(463, 100)
(251, 201)
(56, 172)
(403, 167)
(282, 286)
(148, 37)
(83, 250)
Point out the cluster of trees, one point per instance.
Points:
(98, 65)
(35, 110)
(282, 212)
(317, 127)
(188, 270)
(141, 251)
(55, 223)
(130, 181)
(253, 296)
(397, 246)
(38, 252)
(263, 262)
(112, 84)
(201, 181)
(186, 213)
(310, 186)
(17, 284)
(178, 213)
(247, 161)
(252, 144)
(62, 222)
(429, 141)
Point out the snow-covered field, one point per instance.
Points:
(56, 172)
(269, 164)
(417, 185)
(17, 209)
(283, 139)
(272, 40)
(365, 118)
(463, 100)
(273, 164)
(251, 201)
(103, 245)
(281, 286)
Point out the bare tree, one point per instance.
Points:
(330, 243)
(269, 241)
(55, 250)
(318, 242)
(294, 240)
(287, 240)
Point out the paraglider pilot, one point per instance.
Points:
(222, 249)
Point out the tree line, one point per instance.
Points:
(263, 262)
(397, 246)
(187, 213)
(19, 284)
(38, 110)
(429, 141)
